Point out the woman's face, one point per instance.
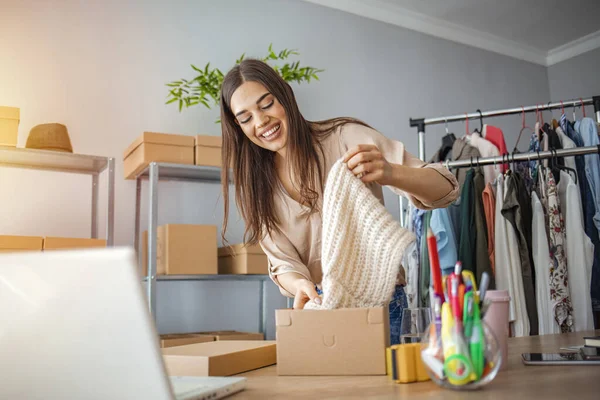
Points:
(260, 115)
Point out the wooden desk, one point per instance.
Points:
(517, 381)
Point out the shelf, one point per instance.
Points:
(231, 277)
(51, 160)
(168, 171)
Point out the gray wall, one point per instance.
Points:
(574, 78)
(100, 68)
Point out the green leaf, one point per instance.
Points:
(174, 99)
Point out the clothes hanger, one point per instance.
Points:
(523, 127)
(447, 143)
(539, 121)
(554, 122)
(467, 133)
(582, 107)
(545, 125)
(556, 166)
(480, 131)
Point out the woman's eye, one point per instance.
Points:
(244, 121)
(268, 105)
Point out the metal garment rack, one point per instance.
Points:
(187, 173)
(420, 123)
(518, 157)
(16, 157)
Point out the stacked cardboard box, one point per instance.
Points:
(170, 148)
(9, 125)
(12, 243)
(183, 249)
(241, 259)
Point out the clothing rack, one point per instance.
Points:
(420, 123)
(516, 157)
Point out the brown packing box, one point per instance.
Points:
(11, 243)
(240, 259)
(63, 243)
(182, 339)
(158, 147)
(9, 125)
(233, 335)
(349, 341)
(220, 358)
(208, 150)
(183, 249)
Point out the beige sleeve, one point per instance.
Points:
(283, 257)
(394, 152)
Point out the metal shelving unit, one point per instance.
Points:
(154, 173)
(15, 157)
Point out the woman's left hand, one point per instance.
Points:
(367, 163)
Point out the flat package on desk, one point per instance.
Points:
(350, 341)
(181, 339)
(219, 358)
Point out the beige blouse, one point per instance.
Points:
(298, 247)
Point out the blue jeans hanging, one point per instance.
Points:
(397, 304)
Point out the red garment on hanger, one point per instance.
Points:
(496, 137)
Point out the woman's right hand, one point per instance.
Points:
(305, 291)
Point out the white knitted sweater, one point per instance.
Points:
(362, 245)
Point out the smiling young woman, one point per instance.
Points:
(280, 163)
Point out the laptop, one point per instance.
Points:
(75, 325)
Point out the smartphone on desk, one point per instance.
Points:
(573, 358)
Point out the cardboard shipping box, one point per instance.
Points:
(240, 259)
(63, 243)
(157, 147)
(233, 335)
(183, 249)
(9, 125)
(207, 150)
(182, 339)
(220, 358)
(12, 243)
(350, 341)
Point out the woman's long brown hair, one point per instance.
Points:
(254, 175)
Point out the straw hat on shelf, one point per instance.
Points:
(51, 136)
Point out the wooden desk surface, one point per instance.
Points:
(517, 381)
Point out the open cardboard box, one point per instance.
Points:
(219, 358)
(350, 341)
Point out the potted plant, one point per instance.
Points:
(205, 87)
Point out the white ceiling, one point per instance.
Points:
(539, 31)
